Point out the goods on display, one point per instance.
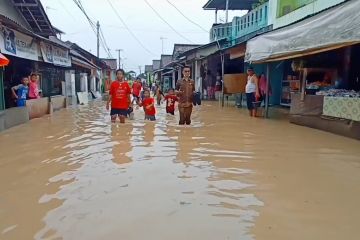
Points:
(339, 93)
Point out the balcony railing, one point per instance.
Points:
(251, 22)
(221, 31)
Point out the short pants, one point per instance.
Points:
(21, 102)
(120, 112)
(250, 99)
(150, 117)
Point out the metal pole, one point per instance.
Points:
(266, 115)
(98, 38)
(222, 80)
(216, 16)
(119, 51)
(162, 44)
(227, 11)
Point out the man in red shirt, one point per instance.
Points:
(119, 96)
(136, 89)
(171, 98)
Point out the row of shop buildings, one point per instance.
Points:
(308, 50)
(30, 44)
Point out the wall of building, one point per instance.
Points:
(7, 9)
(298, 14)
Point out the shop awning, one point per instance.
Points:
(204, 50)
(3, 61)
(331, 29)
(82, 63)
(237, 51)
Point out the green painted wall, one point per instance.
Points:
(286, 6)
(298, 9)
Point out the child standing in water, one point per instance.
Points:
(21, 92)
(149, 106)
(171, 98)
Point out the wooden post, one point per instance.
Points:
(303, 84)
(222, 80)
(266, 115)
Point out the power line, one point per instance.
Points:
(129, 30)
(177, 9)
(167, 22)
(66, 9)
(93, 27)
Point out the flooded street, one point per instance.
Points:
(73, 175)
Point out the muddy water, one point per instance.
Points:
(74, 176)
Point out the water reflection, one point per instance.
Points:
(140, 180)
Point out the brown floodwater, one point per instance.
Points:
(73, 175)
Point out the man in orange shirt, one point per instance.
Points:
(119, 96)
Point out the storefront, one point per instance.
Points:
(321, 75)
(3, 62)
(52, 71)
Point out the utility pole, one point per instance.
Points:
(162, 44)
(140, 70)
(227, 11)
(98, 38)
(119, 51)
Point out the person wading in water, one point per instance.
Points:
(119, 97)
(185, 91)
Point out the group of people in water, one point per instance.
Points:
(121, 105)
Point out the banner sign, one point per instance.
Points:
(17, 44)
(56, 55)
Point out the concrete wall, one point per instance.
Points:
(15, 116)
(7, 9)
(38, 107)
(2, 121)
(57, 103)
(314, 7)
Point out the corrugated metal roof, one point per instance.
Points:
(34, 13)
(233, 4)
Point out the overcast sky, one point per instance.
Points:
(145, 24)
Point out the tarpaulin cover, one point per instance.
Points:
(334, 28)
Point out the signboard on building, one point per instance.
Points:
(56, 55)
(18, 44)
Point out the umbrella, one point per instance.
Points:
(3, 60)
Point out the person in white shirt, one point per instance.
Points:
(252, 91)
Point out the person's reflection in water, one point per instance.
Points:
(121, 135)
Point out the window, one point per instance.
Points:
(252, 19)
(256, 16)
(248, 21)
(261, 10)
(223, 31)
